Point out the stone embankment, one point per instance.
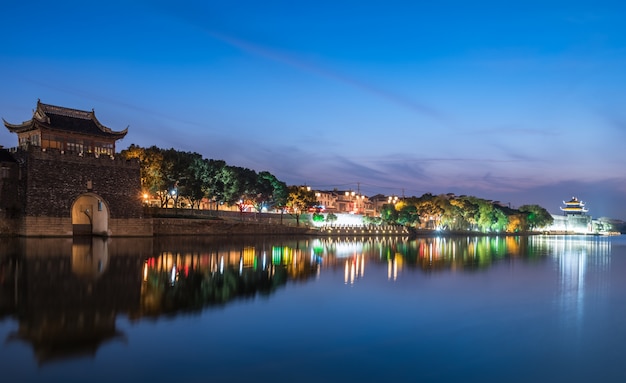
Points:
(183, 226)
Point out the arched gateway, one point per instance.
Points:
(71, 155)
(90, 215)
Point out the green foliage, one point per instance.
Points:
(536, 216)
(407, 215)
(447, 212)
(388, 213)
(299, 200)
(194, 178)
(331, 217)
(369, 220)
(317, 217)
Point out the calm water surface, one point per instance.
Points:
(515, 309)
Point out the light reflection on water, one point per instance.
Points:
(578, 258)
(429, 309)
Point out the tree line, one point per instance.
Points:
(449, 212)
(184, 179)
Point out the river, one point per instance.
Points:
(241, 309)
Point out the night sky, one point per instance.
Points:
(520, 103)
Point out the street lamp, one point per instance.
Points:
(354, 198)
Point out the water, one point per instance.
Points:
(515, 309)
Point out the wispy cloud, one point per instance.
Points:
(192, 16)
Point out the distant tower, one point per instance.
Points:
(574, 207)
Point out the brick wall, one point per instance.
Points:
(10, 203)
(130, 227)
(51, 181)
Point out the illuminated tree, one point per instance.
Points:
(407, 215)
(536, 216)
(430, 212)
(388, 213)
(151, 173)
(331, 218)
(517, 223)
(299, 200)
(270, 191)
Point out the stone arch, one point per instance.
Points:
(90, 215)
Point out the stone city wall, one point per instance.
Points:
(181, 226)
(51, 180)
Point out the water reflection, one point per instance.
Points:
(90, 257)
(66, 294)
(216, 271)
(576, 258)
(428, 254)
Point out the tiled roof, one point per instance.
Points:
(76, 125)
(66, 119)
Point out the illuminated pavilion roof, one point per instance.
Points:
(574, 206)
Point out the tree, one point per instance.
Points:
(536, 216)
(270, 191)
(430, 211)
(388, 213)
(331, 218)
(299, 200)
(150, 168)
(196, 180)
(214, 186)
(517, 223)
(407, 215)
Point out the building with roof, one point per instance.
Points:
(574, 207)
(65, 129)
(65, 179)
(574, 219)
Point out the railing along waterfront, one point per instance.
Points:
(363, 230)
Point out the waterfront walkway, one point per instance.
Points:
(363, 230)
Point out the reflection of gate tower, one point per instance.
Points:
(69, 181)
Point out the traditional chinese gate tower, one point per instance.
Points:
(69, 180)
(576, 218)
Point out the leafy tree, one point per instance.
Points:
(500, 220)
(388, 213)
(270, 191)
(331, 217)
(299, 200)
(407, 215)
(246, 186)
(214, 183)
(151, 173)
(430, 212)
(317, 217)
(230, 180)
(536, 216)
(517, 223)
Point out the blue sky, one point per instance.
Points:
(517, 103)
